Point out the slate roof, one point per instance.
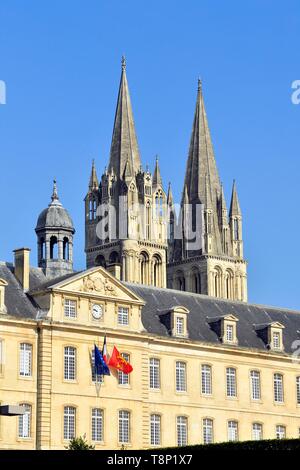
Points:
(158, 304)
(202, 308)
(16, 301)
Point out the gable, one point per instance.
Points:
(97, 282)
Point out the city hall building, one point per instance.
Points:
(207, 365)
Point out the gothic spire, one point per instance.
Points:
(201, 160)
(234, 205)
(124, 144)
(94, 183)
(170, 200)
(157, 180)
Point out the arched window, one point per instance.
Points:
(217, 282)
(100, 261)
(53, 248)
(180, 281)
(114, 257)
(144, 259)
(159, 204)
(196, 281)
(148, 221)
(92, 208)
(66, 249)
(229, 284)
(156, 270)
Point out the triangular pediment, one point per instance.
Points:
(97, 282)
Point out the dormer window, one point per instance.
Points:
(179, 321)
(3, 285)
(225, 327)
(272, 335)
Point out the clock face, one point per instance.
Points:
(97, 311)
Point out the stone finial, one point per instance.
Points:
(123, 62)
(54, 196)
(199, 84)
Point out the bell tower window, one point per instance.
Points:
(53, 248)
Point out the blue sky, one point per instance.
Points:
(60, 61)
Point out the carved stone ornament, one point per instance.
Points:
(98, 285)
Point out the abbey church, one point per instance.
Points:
(148, 252)
(166, 284)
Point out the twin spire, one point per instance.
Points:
(124, 152)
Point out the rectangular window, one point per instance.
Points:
(70, 308)
(154, 371)
(182, 424)
(280, 432)
(276, 340)
(69, 422)
(278, 388)
(257, 432)
(298, 390)
(69, 363)
(155, 430)
(206, 380)
(123, 316)
(255, 385)
(207, 426)
(232, 431)
(123, 379)
(124, 426)
(229, 333)
(180, 376)
(231, 382)
(25, 360)
(24, 427)
(97, 425)
(179, 326)
(96, 378)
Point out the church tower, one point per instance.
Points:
(125, 212)
(207, 257)
(55, 230)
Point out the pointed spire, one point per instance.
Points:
(94, 183)
(157, 180)
(54, 197)
(201, 161)
(234, 205)
(223, 206)
(124, 141)
(170, 200)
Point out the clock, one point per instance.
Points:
(97, 311)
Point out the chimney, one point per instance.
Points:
(22, 266)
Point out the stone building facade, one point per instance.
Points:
(207, 365)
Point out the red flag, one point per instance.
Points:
(118, 362)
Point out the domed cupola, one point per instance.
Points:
(55, 232)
